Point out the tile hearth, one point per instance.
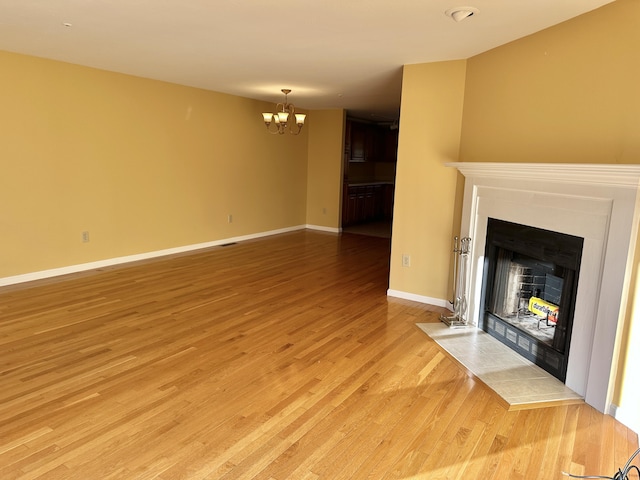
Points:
(519, 382)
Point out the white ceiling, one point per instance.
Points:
(331, 53)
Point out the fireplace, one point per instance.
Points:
(529, 290)
(598, 203)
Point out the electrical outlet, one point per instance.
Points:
(324, 210)
(229, 218)
(406, 260)
(85, 237)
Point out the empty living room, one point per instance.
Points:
(188, 287)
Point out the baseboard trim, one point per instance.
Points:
(82, 267)
(323, 229)
(419, 298)
(628, 419)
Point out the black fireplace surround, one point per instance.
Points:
(529, 289)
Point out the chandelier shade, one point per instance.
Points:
(280, 119)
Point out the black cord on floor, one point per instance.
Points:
(622, 474)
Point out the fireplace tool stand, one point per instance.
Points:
(461, 252)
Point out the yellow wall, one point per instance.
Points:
(142, 165)
(324, 171)
(567, 94)
(430, 123)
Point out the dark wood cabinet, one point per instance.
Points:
(349, 206)
(390, 145)
(366, 203)
(367, 142)
(387, 201)
(347, 140)
(358, 142)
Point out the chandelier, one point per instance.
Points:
(281, 117)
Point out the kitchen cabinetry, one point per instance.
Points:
(367, 142)
(357, 142)
(366, 203)
(390, 146)
(369, 151)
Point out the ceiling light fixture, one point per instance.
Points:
(281, 117)
(460, 13)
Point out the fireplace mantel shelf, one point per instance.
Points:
(619, 175)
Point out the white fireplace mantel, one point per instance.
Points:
(599, 203)
(626, 175)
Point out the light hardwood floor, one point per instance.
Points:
(279, 358)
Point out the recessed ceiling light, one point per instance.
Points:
(460, 13)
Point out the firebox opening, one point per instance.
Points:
(529, 291)
(526, 293)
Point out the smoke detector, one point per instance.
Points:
(460, 13)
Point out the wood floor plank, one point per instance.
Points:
(276, 358)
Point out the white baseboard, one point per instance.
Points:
(628, 419)
(82, 267)
(419, 298)
(324, 229)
